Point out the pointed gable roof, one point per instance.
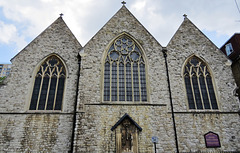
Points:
(121, 18)
(126, 116)
(53, 28)
(188, 30)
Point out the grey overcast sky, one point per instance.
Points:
(23, 20)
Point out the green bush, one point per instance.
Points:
(2, 79)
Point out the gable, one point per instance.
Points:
(56, 34)
(126, 116)
(188, 32)
(122, 21)
(58, 40)
(92, 61)
(189, 40)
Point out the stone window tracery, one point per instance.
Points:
(124, 72)
(199, 85)
(49, 85)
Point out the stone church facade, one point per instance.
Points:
(118, 91)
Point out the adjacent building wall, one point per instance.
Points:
(5, 70)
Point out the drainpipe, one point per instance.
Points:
(164, 50)
(75, 106)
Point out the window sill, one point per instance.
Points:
(127, 103)
(44, 111)
(205, 112)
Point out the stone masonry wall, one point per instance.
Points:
(187, 41)
(91, 70)
(35, 133)
(56, 39)
(22, 130)
(192, 125)
(94, 128)
(94, 123)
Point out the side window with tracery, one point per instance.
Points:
(124, 72)
(199, 85)
(49, 85)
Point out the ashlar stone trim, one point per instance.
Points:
(30, 90)
(213, 82)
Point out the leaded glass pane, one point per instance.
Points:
(129, 81)
(136, 82)
(114, 81)
(204, 92)
(121, 83)
(51, 95)
(58, 104)
(211, 93)
(49, 84)
(43, 95)
(199, 87)
(134, 56)
(35, 93)
(143, 82)
(114, 55)
(124, 58)
(107, 82)
(197, 93)
(189, 92)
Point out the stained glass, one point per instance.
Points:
(49, 85)
(128, 79)
(114, 81)
(199, 86)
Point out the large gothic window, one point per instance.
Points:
(199, 85)
(49, 85)
(124, 72)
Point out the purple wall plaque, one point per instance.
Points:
(212, 140)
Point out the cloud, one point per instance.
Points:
(85, 17)
(162, 18)
(7, 32)
(9, 35)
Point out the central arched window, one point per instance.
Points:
(49, 85)
(199, 85)
(124, 72)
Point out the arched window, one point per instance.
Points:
(199, 85)
(124, 72)
(49, 85)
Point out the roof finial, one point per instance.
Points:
(61, 15)
(185, 16)
(123, 2)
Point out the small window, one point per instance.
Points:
(228, 48)
(49, 85)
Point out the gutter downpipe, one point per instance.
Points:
(75, 106)
(164, 50)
